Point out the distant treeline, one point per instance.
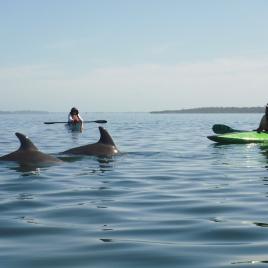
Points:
(23, 112)
(218, 110)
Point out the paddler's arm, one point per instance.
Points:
(260, 128)
(81, 119)
(70, 118)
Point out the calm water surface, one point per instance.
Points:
(171, 199)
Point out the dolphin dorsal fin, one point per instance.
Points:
(25, 143)
(105, 137)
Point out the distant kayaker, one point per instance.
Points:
(75, 118)
(264, 121)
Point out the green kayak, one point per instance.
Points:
(240, 137)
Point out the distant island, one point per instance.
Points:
(23, 112)
(213, 110)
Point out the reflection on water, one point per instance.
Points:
(26, 170)
(261, 224)
(75, 135)
(263, 148)
(29, 220)
(25, 196)
(106, 240)
(106, 163)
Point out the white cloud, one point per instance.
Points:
(29, 72)
(222, 82)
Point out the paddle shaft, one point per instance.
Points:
(60, 122)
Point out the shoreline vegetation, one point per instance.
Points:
(213, 110)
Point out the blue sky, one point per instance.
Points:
(142, 55)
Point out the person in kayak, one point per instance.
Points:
(74, 117)
(264, 121)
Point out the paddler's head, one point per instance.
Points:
(74, 111)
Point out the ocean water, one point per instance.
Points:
(172, 198)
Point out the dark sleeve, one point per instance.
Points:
(261, 125)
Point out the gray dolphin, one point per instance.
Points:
(28, 153)
(104, 147)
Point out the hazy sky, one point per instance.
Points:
(132, 55)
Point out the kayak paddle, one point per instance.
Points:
(222, 129)
(96, 121)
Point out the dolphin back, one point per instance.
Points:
(25, 143)
(105, 137)
(104, 147)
